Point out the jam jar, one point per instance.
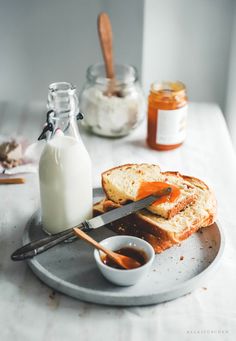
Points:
(167, 115)
(115, 114)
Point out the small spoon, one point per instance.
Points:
(123, 261)
(105, 36)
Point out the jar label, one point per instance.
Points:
(171, 126)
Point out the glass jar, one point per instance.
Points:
(65, 171)
(117, 114)
(167, 115)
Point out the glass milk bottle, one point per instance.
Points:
(64, 167)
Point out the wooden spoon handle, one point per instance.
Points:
(91, 241)
(105, 36)
(9, 181)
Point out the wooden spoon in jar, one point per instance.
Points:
(124, 262)
(105, 37)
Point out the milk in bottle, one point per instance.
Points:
(64, 167)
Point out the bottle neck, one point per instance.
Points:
(63, 100)
(63, 111)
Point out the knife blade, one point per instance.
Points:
(125, 210)
(39, 246)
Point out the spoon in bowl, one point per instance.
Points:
(124, 262)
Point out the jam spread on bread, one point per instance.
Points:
(148, 188)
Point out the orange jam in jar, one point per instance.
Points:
(167, 115)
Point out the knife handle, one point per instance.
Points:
(39, 246)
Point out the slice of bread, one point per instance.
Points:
(163, 233)
(121, 185)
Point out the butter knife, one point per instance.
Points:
(39, 246)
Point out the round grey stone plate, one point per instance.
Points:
(70, 267)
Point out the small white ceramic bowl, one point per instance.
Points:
(124, 277)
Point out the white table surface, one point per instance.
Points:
(30, 311)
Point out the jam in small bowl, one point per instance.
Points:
(133, 247)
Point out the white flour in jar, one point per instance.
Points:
(112, 116)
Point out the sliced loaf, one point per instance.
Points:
(163, 233)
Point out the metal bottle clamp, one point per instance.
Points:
(49, 126)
